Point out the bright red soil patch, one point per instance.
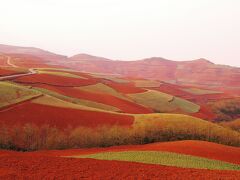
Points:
(54, 80)
(24, 166)
(60, 117)
(204, 113)
(6, 72)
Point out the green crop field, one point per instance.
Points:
(58, 73)
(197, 91)
(110, 77)
(164, 158)
(12, 93)
(102, 88)
(162, 102)
(147, 83)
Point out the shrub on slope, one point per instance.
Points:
(146, 129)
(226, 110)
(235, 124)
(169, 127)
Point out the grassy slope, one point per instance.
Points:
(235, 124)
(102, 88)
(12, 93)
(197, 91)
(183, 127)
(109, 77)
(162, 102)
(164, 158)
(57, 73)
(147, 83)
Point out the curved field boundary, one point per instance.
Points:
(54, 80)
(12, 93)
(59, 73)
(24, 166)
(102, 88)
(147, 83)
(164, 158)
(82, 104)
(188, 147)
(123, 105)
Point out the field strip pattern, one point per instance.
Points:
(163, 158)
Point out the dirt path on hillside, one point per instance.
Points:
(31, 70)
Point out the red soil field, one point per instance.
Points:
(124, 105)
(6, 72)
(204, 113)
(3, 61)
(24, 166)
(54, 80)
(60, 117)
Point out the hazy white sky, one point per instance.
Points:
(126, 29)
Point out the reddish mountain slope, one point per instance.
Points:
(7, 49)
(197, 72)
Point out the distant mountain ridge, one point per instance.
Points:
(8, 49)
(195, 72)
(200, 72)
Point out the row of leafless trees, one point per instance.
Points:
(30, 137)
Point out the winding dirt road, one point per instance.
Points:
(31, 70)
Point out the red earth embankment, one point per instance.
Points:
(124, 105)
(60, 117)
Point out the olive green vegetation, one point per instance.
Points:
(172, 127)
(162, 102)
(59, 73)
(77, 101)
(102, 88)
(12, 93)
(164, 158)
(197, 91)
(110, 77)
(147, 83)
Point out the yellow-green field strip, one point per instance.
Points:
(164, 158)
